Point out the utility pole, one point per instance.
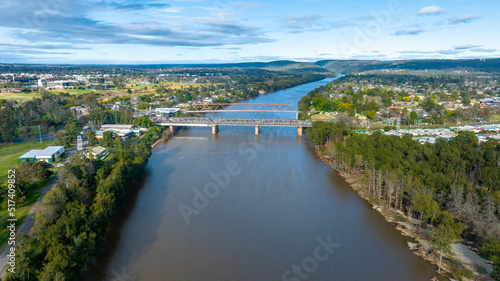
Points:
(40, 132)
(79, 143)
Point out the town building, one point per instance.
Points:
(165, 112)
(124, 131)
(79, 110)
(61, 84)
(97, 152)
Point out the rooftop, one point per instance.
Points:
(98, 150)
(116, 126)
(31, 154)
(47, 152)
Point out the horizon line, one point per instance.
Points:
(242, 62)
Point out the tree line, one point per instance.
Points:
(50, 112)
(69, 230)
(452, 186)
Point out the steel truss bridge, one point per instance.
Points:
(216, 122)
(240, 107)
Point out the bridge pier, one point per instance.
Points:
(257, 130)
(172, 129)
(299, 131)
(215, 129)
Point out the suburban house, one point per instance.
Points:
(97, 152)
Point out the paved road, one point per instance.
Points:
(36, 138)
(45, 137)
(30, 220)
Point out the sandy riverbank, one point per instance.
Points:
(421, 246)
(154, 144)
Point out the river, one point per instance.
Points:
(239, 207)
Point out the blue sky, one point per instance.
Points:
(187, 31)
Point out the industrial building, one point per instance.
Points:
(48, 154)
(107, 127)
(165, 112)
(61, 84)
(124, 131)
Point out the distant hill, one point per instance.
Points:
(295, 67)
(282, 65)
(350, 66)
(353, 66)
(336, 66)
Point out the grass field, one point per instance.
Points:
(320, 117)
(70, 91)
(10, 153)
(21, 215)
(138, 90)
(19, 97)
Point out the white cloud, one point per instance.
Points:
(464, 19)
(466, 47)
(406, 32)
(172, 10)
(431, 10)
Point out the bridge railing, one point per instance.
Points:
(235, 121)
(240, 107)
(277, 121)
(232, 119)
(179, 121)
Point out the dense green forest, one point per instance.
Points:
(69, 230)
(449, 184)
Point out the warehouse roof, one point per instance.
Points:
(47, 152)
(116, 127)
(50, 150)
(32, 153)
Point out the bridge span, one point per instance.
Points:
(216, 122)
(240, 107)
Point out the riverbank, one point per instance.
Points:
(96, 208)
(154, 144)
(407, 225)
